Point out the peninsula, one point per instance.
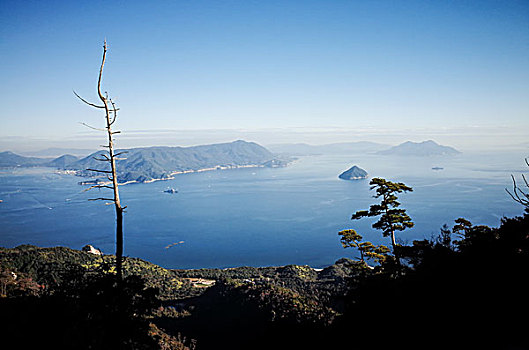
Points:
(148, 164)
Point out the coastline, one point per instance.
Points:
(170, 177)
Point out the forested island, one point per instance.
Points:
(159, 163)
(353, 173)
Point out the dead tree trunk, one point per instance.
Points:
(110, 117)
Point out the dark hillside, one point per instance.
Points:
(465, 289)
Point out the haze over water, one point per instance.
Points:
(256, 217)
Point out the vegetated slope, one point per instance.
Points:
(62, 161)
(231, 313)
(51, 266)
(67, 299)
(425, 148)
(265, 307)
(148, 163)
(143, 164)
(10, 159)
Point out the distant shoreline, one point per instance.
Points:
(170, 177)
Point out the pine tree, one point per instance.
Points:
(392, 218)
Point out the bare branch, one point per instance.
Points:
(104, 159)
(91, 127)
(85, 101)
(100, 171)
(517, 194)
(101, 75)
(518, 190)
(512, 196)
(102, 155)
(115, 111)
(101, 199)
(97, 186)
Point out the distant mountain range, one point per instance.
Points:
(302, 149)
(149, 163)
(57, 152)
(425, 148)
(10, 159)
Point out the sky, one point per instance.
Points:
(190, 72)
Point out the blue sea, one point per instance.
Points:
(256, 216)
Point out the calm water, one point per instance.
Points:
(255, 217)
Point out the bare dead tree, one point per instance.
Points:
(517, 193)
(109, 157)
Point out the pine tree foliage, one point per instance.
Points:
(392, 218)
(351, 239)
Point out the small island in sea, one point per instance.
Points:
(353, 173)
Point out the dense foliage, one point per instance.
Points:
(88, 311)
(50, 266)
(465, 288)
(467, 292)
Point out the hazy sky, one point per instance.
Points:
(387, 67)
